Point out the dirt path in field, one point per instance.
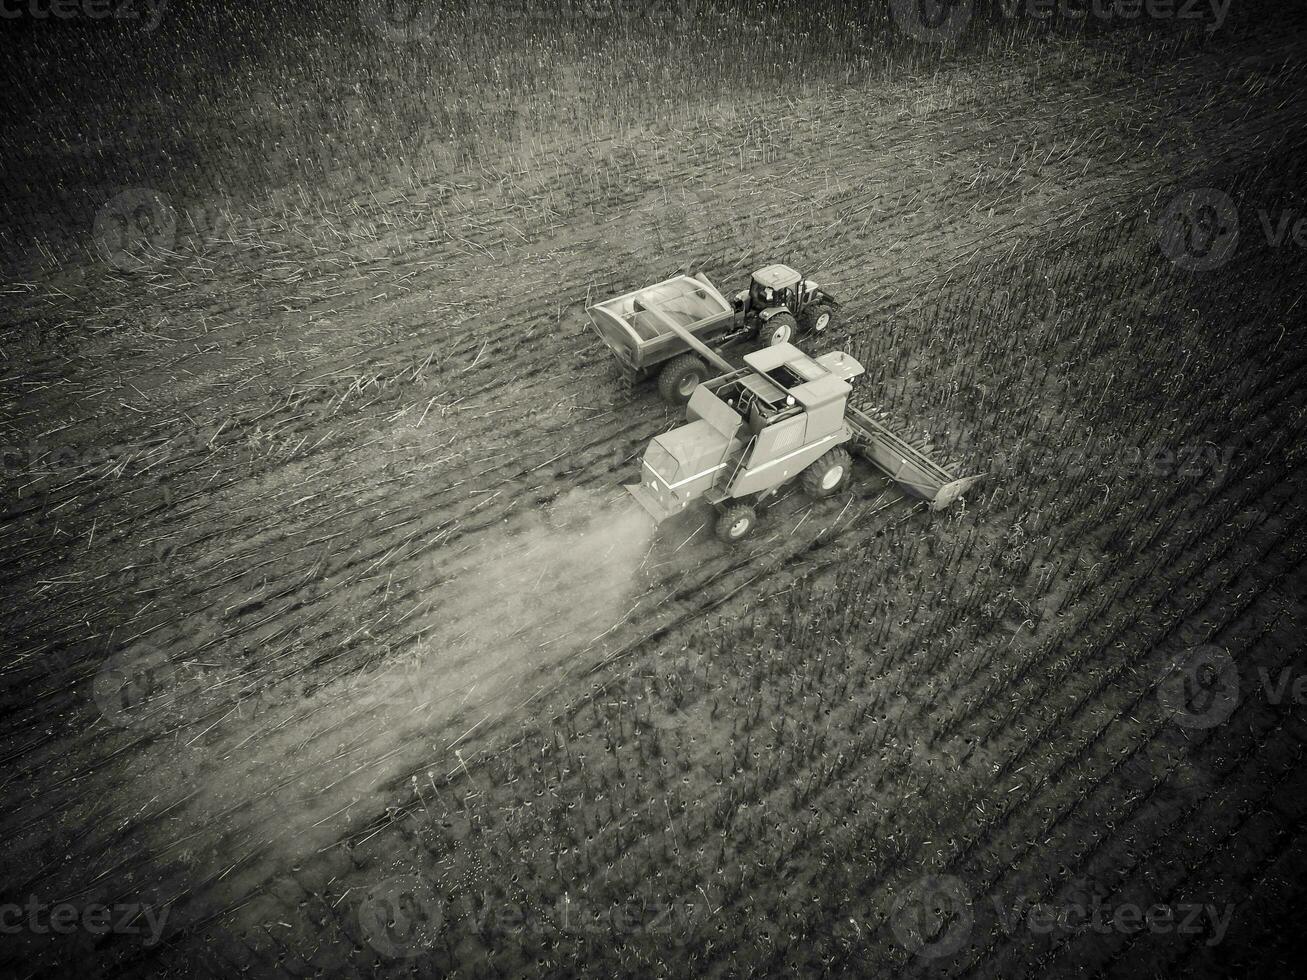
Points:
(363, 507)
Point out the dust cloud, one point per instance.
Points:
(553, 582)
(509, 609)
(532, 593)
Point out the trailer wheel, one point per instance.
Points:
(736, 523)
(679, 377)
(780, 329)
(828, 475)
(817, 318)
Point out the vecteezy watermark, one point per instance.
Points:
(400, 917)
(1201, 688)
(31, 466)
(637, 11)
(944, 21)
(1113, 459)
(1096, 915)
(134, 227)
(1199, 229)
(933, 917)
(680, 227)
(400, 21)
(684, 228)
(140, 228)
(1283, 686)
(96, 918)
(646, 917)
(409, 21)
(1210, 12)
(1100, 457)
(932, 21)
(141, 688)
(150, 12)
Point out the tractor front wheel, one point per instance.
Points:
(828, 475)
(780, 329)
(679, 377)
(736, 523)
(817, 318)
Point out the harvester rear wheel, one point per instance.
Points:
(679, 377)
(828, 475)
(817, 318)
(736, 523)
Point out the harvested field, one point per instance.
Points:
(333, 646)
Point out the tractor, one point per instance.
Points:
(779, 305)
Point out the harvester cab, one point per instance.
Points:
(783, 416)
(780, 304)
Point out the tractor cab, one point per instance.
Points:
(769, 287)
(773, 286)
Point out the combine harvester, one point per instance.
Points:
(751, 430)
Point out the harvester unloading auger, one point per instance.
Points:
(783, 416)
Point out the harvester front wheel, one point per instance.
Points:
(736, 523)
(780, 329)
(679, 377)
(828, 475)
(817, 318)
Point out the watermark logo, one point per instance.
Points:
(148, 12)
(1101, 457)
(932, 21)
(1111, 459)
(1283, 687)
(933, 917)
(659, 12)
(95, 918)
(1075, 916)
(943, 21)
(401, 916)
(683, 229)
(1116, 11)
(133, 227)
(399, 21)
(1199, 229)
(1201, 689)
(139, 688)
(141, 228)
(43, 465)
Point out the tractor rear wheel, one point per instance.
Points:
(827, 475)
(780, 329)
(679, 377)
(817, 318)
(736, 523)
